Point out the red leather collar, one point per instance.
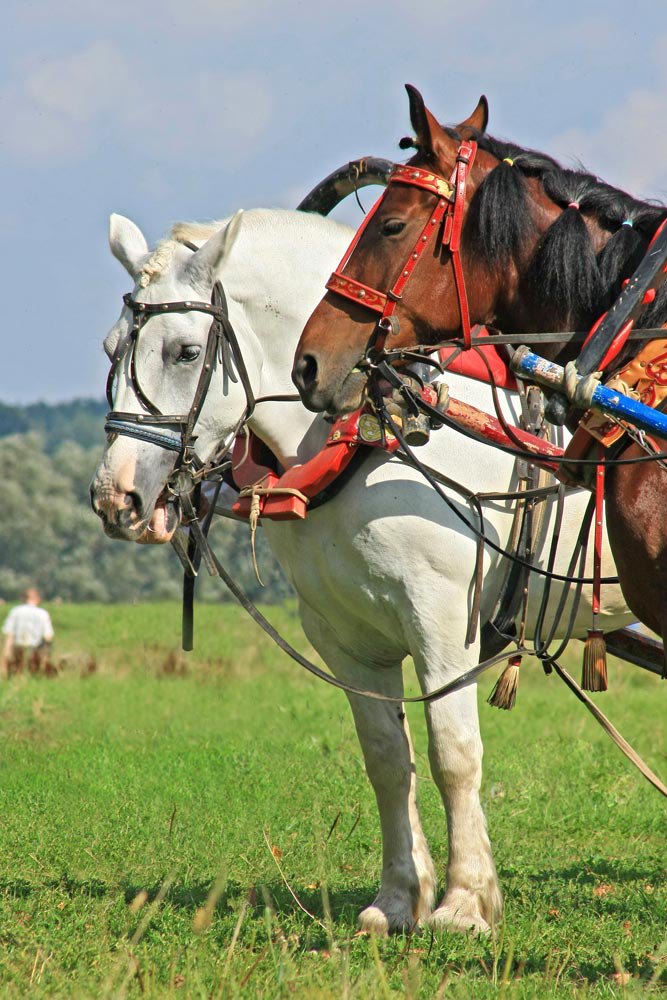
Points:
(347, 435)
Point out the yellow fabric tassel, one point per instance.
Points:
(594, 672)
(504, 693)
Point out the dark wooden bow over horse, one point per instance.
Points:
(542, 248)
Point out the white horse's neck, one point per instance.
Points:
(275, 272)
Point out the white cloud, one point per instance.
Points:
(83, 85)
(628, 147)
(59, 108)
(149, 20)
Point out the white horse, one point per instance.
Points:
(382, 571)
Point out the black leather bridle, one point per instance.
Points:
(176, 432)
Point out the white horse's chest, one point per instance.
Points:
(364, 560)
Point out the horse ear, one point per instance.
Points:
(423, 122)
(128, 243)
(206, 260)
(477, 121)
(432, 139)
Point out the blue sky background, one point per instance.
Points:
(189, 110)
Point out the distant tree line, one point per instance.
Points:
(81, 420)
(50, 537)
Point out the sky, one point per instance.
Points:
(173, 110)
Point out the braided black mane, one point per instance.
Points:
(567, 281)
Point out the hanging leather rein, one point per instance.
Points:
(446, 219)
(176, 432)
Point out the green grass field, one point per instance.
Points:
(203, 827)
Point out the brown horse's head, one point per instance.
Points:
(339, 331)
(542, 248)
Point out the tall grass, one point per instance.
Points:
(202, 827)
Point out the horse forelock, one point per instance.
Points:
(161, 258)
(157, 261)
(195, 232)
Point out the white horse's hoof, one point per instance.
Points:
(376, 921)
(446, 918)
(460, 911)
(373, 920)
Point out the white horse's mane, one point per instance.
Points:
(198, 232)
(160, 258)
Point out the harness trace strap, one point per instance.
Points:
(446, 219)
(465, 679)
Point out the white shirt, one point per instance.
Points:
(29, 625)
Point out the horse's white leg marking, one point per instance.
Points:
(472, 900)
(407, 887)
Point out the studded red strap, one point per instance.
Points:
(349, 288)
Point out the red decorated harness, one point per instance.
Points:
(287, 497)
(446, 218)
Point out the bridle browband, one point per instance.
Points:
(446, 219)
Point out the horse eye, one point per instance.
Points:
(189, 352)
(392, 227)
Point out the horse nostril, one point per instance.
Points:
(133, 500)
(95, 504)
(304, 374)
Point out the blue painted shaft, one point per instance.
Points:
(533, 368)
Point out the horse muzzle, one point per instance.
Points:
(334, 391)
(124, 516)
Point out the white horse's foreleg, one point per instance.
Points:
(472, 900)
(407, 888)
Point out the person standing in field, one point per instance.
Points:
(28, 633)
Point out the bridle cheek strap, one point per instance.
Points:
(450, 207)
(464, 161)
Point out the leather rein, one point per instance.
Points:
(176, 432)
(444, 223)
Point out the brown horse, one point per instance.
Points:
(542, 248)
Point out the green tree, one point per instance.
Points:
(50, 537)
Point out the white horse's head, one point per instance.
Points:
(158, 359)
